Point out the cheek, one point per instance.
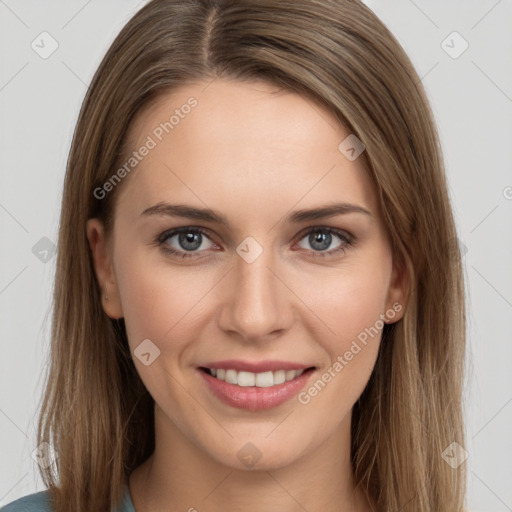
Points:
(349, 300)
(161, 303)
(159, 300)
(349, 303)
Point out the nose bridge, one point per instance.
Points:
(255, 306)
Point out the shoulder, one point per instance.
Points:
(37, 502)
(40, 502)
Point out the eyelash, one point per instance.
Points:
(346, 239)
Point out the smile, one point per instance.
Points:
(255, 390)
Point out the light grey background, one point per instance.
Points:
(471, 96)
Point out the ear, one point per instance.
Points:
(397, 293)
(110, 298)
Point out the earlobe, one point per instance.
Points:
(105, 275)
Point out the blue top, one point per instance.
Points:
(40, 502)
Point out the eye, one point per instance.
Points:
(184, 242)
(320, 238)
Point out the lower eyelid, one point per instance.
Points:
(345, 244)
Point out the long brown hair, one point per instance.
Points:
(96, 412)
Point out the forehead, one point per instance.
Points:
(242, 148)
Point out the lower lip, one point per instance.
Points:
(253, 398)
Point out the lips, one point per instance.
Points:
(255, 385)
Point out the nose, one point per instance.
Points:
(257, 304)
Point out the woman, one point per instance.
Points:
(257, 304)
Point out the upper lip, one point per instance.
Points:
(255, 366)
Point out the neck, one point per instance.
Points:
(180, 476)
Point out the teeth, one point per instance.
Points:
(260, 380)
(231, 377)
(290, 374)
(264, 380)
(246, 379)
(279, 377)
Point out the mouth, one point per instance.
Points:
(251, 390)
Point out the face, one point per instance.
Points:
(242, 281)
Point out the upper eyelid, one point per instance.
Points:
(337, 231)
(168, 233)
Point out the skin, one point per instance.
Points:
(255, 155)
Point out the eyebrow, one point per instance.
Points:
(208, 215)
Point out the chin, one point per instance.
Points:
(258, 454)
